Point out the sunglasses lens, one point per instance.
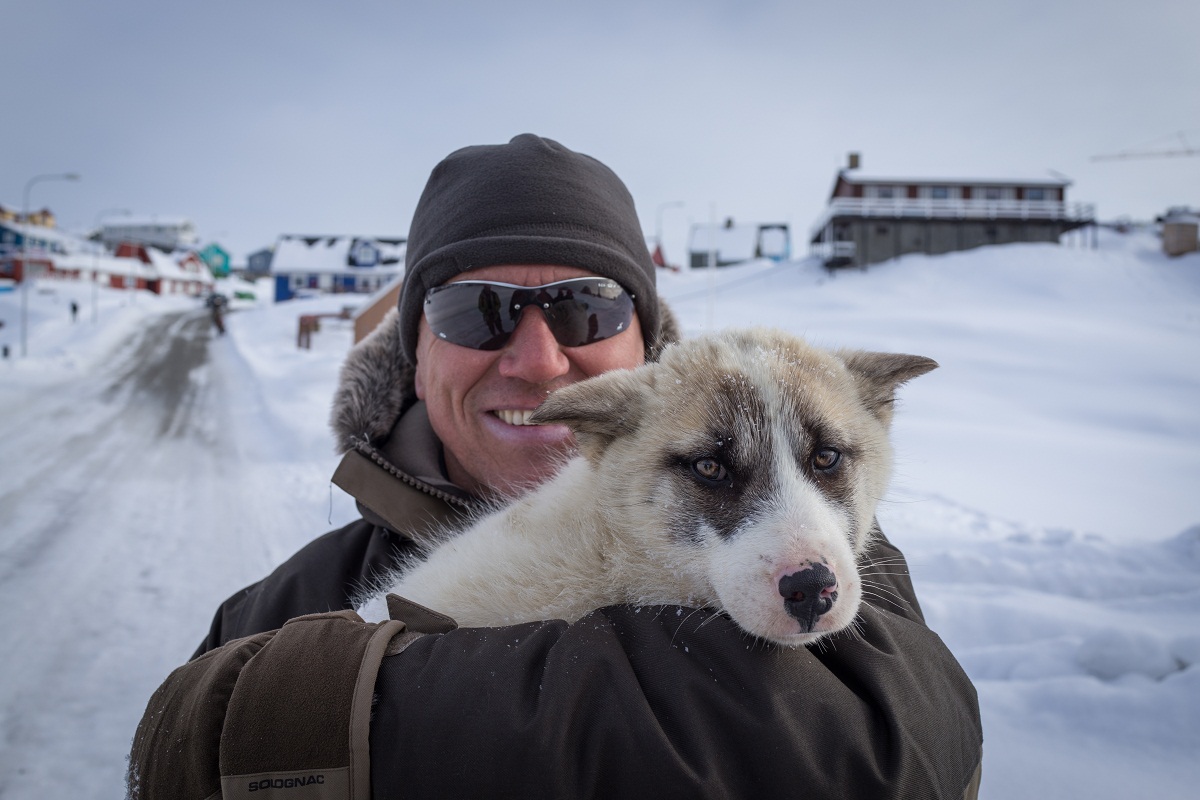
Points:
(587, 312)
(470, 313)
(482, 315)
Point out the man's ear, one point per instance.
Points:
(599, 409)
(878, 374)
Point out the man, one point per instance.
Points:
(627, 702)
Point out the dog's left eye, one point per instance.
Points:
(710, 471)
(826, 459)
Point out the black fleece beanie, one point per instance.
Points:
(531, 201)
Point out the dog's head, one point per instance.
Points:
(762, 457)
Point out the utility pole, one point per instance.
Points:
(101, 249)
(658, 226)
(712, 267)
(26, 273)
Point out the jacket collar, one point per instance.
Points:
(415, 449)
(400, 484)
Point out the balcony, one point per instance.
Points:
(926, 208)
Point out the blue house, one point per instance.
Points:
(258, 263)
(37, 242)
(334, 264)
(15, 236)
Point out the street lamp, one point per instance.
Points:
(110, 212)
(100, 247)
(658, 218)
(658, 225)
(25, 271)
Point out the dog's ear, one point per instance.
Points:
(878, 374)
(600, 409)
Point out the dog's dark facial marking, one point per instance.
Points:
(722, 473)
(723, 502)
(835, 481)
(825, 455)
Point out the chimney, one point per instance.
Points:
(853, 161)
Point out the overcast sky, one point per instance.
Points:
(255, 119)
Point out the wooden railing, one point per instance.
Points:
(927, 208)
(311, 323)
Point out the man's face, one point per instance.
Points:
(477, 399)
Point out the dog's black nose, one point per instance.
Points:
(808, 594)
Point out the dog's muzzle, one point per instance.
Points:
(808, 594)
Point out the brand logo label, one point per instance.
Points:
(285, 783)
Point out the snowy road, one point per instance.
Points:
(89, 563)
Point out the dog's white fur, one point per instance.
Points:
(632, 518)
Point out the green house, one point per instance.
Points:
(217, 259)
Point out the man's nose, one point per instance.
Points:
(532, 353)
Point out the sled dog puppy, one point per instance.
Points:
(739, 472)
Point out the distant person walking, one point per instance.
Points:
(74, 310)
(216, 305)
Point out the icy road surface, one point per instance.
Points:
(100, 593)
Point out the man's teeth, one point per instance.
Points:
(514, 416)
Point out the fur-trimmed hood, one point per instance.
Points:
(376, 382)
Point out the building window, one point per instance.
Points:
(991, 193)
(940, 193)
(884, 192)
(882, 230)
(1035, 194)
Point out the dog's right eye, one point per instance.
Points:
(826, 459)
(710, 471)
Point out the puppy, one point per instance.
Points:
(739, 472)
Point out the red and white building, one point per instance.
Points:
(874, 218)
(50, 253)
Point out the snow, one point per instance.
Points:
(107, 264)
(312, 254)
(1045, 496)
(731, 242)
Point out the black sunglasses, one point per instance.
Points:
(482, 315)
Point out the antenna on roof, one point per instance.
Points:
(1185, 150)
